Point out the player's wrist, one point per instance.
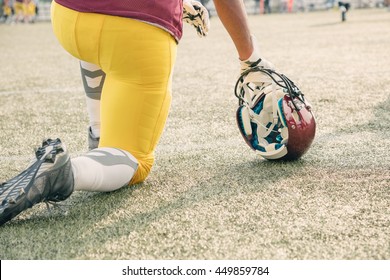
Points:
(255, 59)
(251, 52)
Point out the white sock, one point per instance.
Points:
(93, 109)
(93, 80)
(103, 170)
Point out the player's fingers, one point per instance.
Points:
(204, 17)
(189, 8)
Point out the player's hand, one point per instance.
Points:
(255, 60)
(197, 15)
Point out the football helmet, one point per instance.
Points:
(273, 116)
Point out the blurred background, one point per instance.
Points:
(30, 11)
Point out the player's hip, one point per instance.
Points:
(118, 45)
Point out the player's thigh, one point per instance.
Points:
(132, 115)
(138, 59)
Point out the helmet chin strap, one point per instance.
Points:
(274, 104)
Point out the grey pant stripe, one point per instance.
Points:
(93, 93)
(108, 159)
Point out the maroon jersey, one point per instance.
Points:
(166, 14)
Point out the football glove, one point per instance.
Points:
(195, 14)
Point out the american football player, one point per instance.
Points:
(344, 8)
(127, 51)
(18, 10)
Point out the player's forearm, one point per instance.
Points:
(232, 13)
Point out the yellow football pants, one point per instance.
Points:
(138, 60)
(29, 9)
(18, 8)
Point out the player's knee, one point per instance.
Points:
(144, 167)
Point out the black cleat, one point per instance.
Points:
(49, 178)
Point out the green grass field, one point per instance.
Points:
(209, 196)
